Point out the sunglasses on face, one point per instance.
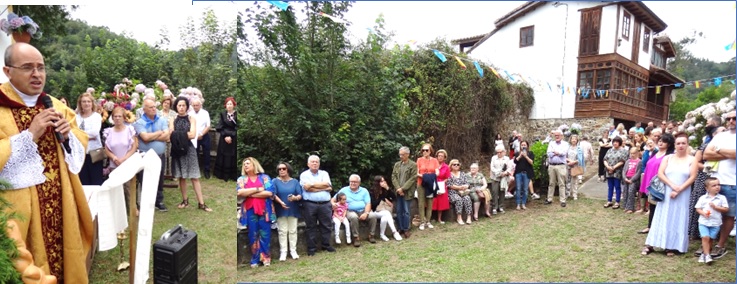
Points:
(282, 168)
(730, 118)
(455, 165)
(425, 150)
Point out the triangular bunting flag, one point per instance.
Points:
(606, 94)
(495, 73)
(717, 81)
(478, 68)
(625, 91)
(440, 55)
(549, 87)
(463, 66)
(657, 90)
(697, 84)
(639, 89)
(678, 85)
(509, 76)
(579, 91)
(280, 4)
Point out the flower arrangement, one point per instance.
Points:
(696, 119)
(17, 24)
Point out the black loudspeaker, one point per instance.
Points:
(175, 257)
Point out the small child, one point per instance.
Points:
(710, 208)
(631, 184)
(339, 216)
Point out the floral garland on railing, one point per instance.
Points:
(696, 119)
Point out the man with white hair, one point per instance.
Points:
(557, 171)
(316, 205)
(722, 149)
(202, 132)
(153, 131)
(359, 207)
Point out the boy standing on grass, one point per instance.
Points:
(710, 208)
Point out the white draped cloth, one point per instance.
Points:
(109, 203)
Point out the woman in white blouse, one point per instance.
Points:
(90, 121)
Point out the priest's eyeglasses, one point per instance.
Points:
(41, 69)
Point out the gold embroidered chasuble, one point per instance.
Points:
(55, 222)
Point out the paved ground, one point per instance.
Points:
(592, 188)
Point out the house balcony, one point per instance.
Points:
(620, 106)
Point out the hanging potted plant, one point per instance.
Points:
(22, 28)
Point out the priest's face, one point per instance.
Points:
(26, 69)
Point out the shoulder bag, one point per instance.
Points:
(656, 189)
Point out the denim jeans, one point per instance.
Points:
(614, 183)
(402, 206)
(523, 184)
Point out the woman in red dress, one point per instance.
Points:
(441, 203)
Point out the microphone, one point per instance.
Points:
(46, 100)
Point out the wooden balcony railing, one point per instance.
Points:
(618, 105)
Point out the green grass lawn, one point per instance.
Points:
(546, 243)
(216, 235)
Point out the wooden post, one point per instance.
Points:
(132, 228)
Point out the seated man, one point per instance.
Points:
(359, 207)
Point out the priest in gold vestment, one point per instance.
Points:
(55, 220)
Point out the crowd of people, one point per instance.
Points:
(694, 189)
(177, 136)
(628, 161)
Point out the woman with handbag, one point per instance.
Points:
(186, 167)
(499, 174)
(479, 189)
(665, 147)
(441, 203)
(613, 162)
(576, 166)
(458, 190)
(669, 228)
(90, 121)
(523, 174)
(120, 144)
(382, 203)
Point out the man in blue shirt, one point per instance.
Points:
(316, 205)
(359, 207)
(153, 132)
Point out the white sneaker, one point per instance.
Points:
(383, 237)
(508, 195)
(422, 226)
(493, 212)
(429, 226)
(348, 239)
(733, 232)
(535, 196)
(397, 236)
(701, 258)
(708, 258)
(337, 240)
(283, 256)
(501, 210)
(294, 254)
(524, 207)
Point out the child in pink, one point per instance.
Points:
(339, 216)
(631, 180)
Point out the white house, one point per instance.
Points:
(598, 45)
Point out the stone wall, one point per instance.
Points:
(540, 128)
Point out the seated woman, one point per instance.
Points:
(382, 203)
(479, 189)
(458, 191)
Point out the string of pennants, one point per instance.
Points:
(582, 91)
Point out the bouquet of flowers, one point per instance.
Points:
(16, 24)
